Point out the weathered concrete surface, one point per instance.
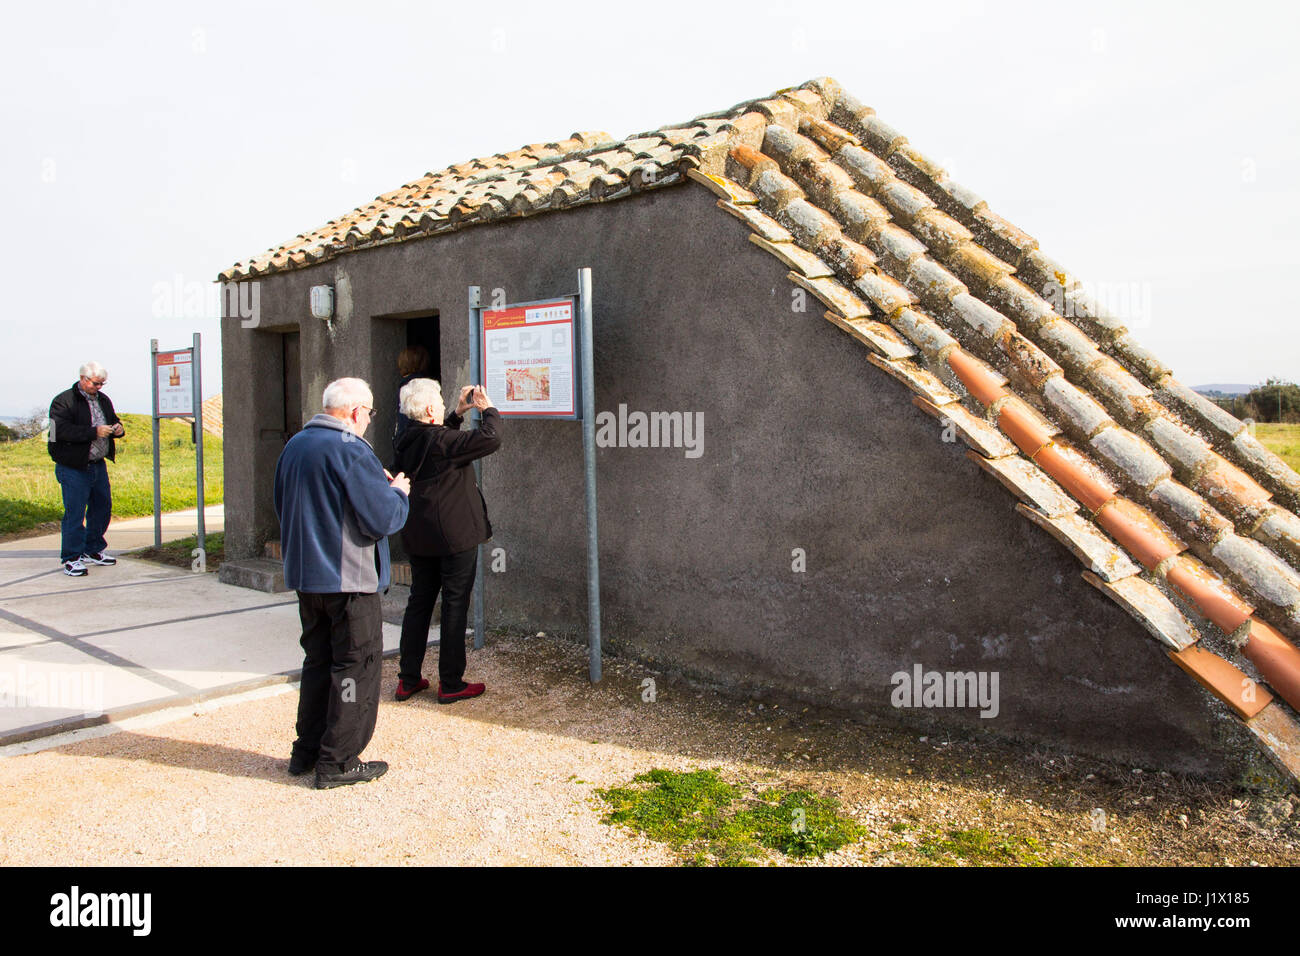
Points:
(913, 554)
(133, 638)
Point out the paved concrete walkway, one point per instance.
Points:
(134, 637)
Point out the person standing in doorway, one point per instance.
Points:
(83, 429)
(412, 363)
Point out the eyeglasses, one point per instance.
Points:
(97, 381)
(369, 411)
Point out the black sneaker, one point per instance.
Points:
(75, 569)
(363, 772)
(103, 558)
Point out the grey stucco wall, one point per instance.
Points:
(913, 554)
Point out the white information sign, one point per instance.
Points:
(176, 383)
(529, 359)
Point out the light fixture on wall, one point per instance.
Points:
(322, 302)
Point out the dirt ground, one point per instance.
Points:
(510, 778)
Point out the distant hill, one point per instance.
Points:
(1219, 389)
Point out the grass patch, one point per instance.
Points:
(1281, 440)
(180, 553)
(30, 495)
(982, 848)
(710, 821)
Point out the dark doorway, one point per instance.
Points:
(292, 386)
(423, 330)
(389, 336)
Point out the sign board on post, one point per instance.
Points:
(535, 360)
(178, 393)
(175, 375)
(529, 359)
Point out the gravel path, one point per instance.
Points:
(509, 778)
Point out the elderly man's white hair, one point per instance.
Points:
(93, 370)
(417, 395)
(346, 394)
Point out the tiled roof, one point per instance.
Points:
(1173, 508)
(586, 167)
(211, 411)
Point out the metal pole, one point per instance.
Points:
(589, 468)
(475, 375)
(198, 441)
(157, 480)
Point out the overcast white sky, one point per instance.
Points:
(1153, 149)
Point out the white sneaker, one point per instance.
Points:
(102, 558)
(75, 569)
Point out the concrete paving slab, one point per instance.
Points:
(135, 637)
(227, 648)
(129, 533)
(53, 684)
(131, 593)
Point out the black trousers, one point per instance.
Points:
(454, 576)
(343, 644)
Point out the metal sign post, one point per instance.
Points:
(180, 396)
(542, 363)
(198, 445)
(589, 468)
(475, 376)
(157, 480)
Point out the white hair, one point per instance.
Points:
(93, 370)
(346, 394)
(417, 395)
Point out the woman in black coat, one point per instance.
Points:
(446, 524)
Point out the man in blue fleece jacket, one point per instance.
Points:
(337, 505)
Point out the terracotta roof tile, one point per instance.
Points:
(1280, 736)
(1097, 552)
(762, 224)
(1029, 483)
(972, 429)
(1159, 615)
(1222, 679)
(796, 258)
(918, 378)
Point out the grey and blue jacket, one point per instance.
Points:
(336, 510)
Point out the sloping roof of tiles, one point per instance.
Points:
(1173, 508)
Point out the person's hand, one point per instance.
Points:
(118, 430)
(401, 483)
(481, 400)
(103, 431)
(463, 402)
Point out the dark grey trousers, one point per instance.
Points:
(343, 646)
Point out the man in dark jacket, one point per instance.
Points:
(83, 427)
(447, 523)
(337, 506)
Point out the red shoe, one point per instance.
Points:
(471, 690)
(404, 692)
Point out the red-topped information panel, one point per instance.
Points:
(530, 359)
(174, 372)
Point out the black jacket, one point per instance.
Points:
(71, 432)
(448, 514)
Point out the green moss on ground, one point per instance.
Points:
(710, 821)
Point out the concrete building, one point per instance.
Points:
(920, 447)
